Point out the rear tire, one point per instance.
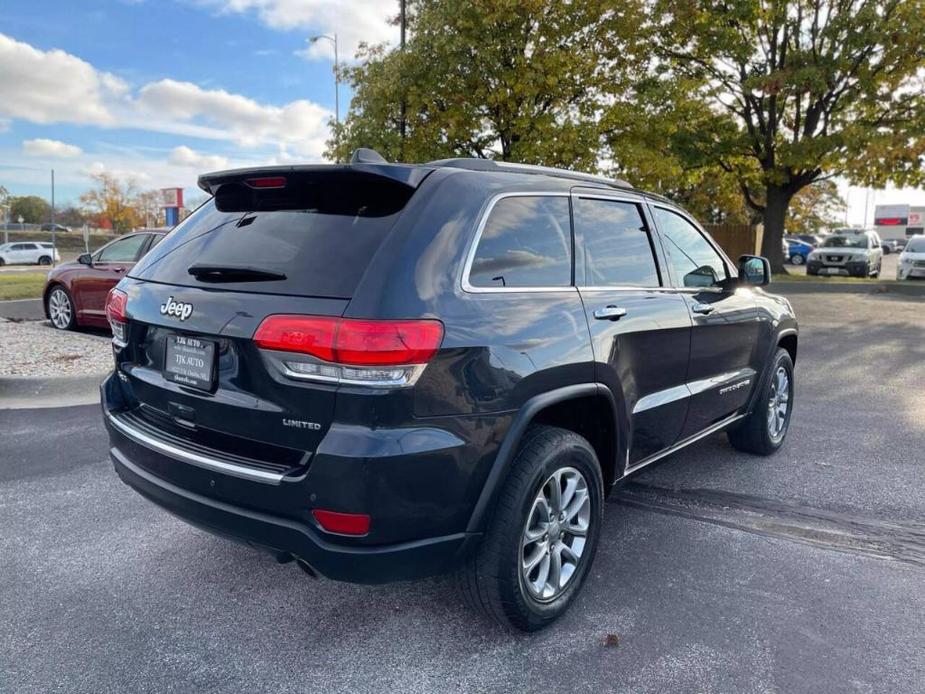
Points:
(797, 259)
(762, 432)
(528, 534)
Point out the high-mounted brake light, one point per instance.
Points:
(115, 312)
(342, 523)
(267, 182)
(370, 352)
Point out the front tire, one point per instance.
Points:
(543, 536)
(44, 260)
(797, 259)
(60, 307)
(763, 431)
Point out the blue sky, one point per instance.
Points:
(162, 90)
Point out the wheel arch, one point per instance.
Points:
(588, 409)
(788, 339)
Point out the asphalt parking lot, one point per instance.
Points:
(718, 572)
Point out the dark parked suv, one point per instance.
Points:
(388, 371)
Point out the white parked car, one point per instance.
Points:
(854, 254)
(912, 259)
(28, 253)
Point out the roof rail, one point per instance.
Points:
(473, 164)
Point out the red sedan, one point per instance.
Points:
(75, 293)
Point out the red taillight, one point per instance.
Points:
(343, 523)
(115, 306)
(267, 182)
(353, 342)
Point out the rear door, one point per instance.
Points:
(22, 252)
(640, 327)
(725, 333)
(110, 264)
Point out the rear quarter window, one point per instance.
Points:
(526, 241)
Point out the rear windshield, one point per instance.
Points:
(319, 253)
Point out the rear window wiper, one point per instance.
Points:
(205, 272)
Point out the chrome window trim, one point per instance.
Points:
(467, 287)
(202, 461)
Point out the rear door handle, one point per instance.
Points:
(702, 308)
(610, 313)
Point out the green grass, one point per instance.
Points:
(21, 285)
(828, 278)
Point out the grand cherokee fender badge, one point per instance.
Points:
(178, 309)
(735, 386)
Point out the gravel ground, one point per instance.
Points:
(37, 349)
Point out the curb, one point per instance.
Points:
(33, 392)
(910, 289)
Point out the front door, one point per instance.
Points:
(640, 328)
(723, 362)
(110, 264)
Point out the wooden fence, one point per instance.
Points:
(737, 239)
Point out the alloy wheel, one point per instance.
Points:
(779, 403)
(59, 309)
(555, 534)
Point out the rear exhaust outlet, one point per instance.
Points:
(306, 568)
(283, 557)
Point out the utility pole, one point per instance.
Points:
(332, 39)
(54, 246)
(402, 21)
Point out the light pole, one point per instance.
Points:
(332, 39)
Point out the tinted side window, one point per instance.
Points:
(616, 247)
(526, 242)
(124, 250)
(694, 261)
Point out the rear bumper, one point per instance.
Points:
(355, 564)
(220, 499)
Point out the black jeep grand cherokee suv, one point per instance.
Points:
(388, 371)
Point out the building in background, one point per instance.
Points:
(899, 221)
(172, 202)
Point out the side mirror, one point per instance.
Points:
(85, 259)
(754, 270)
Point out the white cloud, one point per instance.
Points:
(354, 21)
(41, 147)
(185, 156)
(54, 86)
(63, 88)
(300, 124)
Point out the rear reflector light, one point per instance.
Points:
(267, 182)
(353, 342)
(115, 312)
(342, 523)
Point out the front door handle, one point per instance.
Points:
(702, 308)
(610, 313)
